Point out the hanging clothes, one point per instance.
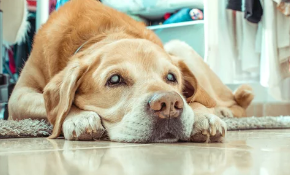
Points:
(253, 11)
(221, 50)
(23, 49)
(231, 41)
(274, 57)
(235, 5)
(284, 7)
(240, 51)
(248, 64)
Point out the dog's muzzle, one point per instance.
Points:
(166, 109)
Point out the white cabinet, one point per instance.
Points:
(190, 32)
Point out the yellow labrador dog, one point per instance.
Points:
(93, 69)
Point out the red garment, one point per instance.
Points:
(12, 65)
(167, 15)
(31, 3)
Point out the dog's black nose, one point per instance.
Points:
(166, 104)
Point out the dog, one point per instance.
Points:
(94, 70)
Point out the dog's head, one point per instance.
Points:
(140, 91)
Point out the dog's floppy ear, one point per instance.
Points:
(192, 90)
(59, 94)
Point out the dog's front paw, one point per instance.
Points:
(85, 125)
(208, 128)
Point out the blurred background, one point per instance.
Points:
(243, 41)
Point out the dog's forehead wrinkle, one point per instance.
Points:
(135, 72)
(141, 61)
(130, 48)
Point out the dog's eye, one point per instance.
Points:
(170, 77)
(114, 80)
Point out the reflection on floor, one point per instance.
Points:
(263, 152)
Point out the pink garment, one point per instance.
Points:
(52, 4)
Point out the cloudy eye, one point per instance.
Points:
(170, 77)
(114, 80)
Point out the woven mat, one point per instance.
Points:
(36, 128)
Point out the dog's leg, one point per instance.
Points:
(26, 102)
(223, 112)
(244, 95)
(229, 112)
(82, 125)
(238, 111)
(207, 127)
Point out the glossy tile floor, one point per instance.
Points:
(257, 152)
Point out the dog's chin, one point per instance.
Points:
(165, 138)
(166, 141)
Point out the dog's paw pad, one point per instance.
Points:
(84, 126)
(208, 128)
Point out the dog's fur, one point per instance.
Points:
(71, 90)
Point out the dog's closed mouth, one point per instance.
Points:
(168, 137)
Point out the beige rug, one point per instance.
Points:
(35, 128)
